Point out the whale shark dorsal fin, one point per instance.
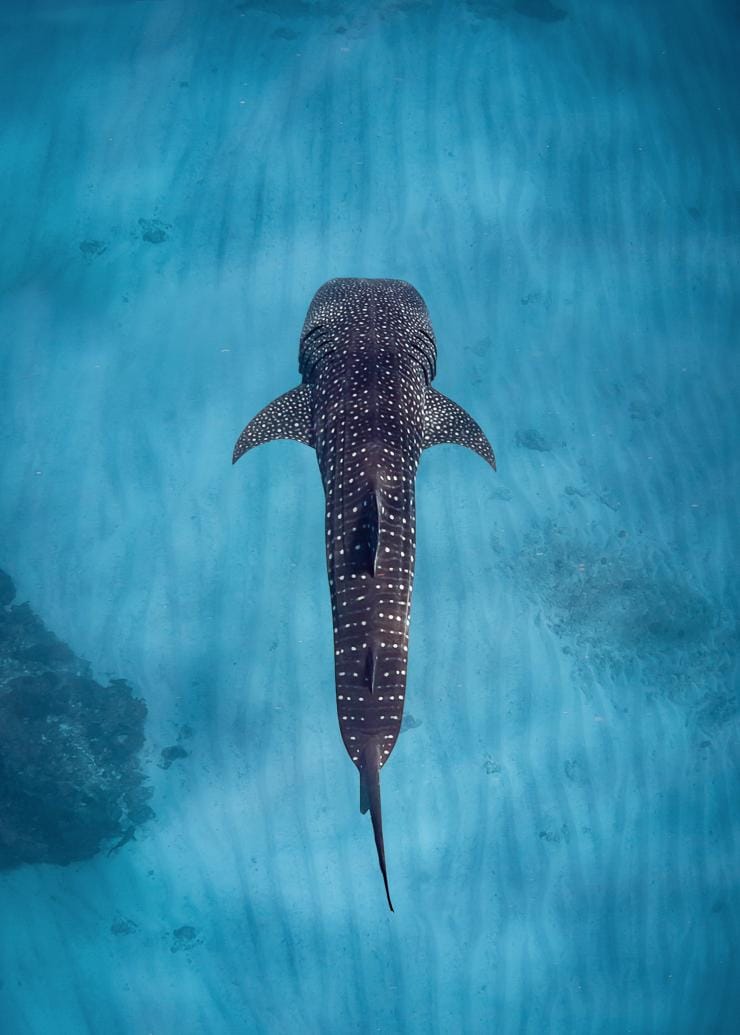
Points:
(288, 416)
(373, 528)
(445, 421)
(370, 669)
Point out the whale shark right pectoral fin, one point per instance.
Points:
(445, 421)
(288, 416)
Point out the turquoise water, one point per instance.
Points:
(561, 181)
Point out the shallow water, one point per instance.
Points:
(561, 182)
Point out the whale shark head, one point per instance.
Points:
(346, 311)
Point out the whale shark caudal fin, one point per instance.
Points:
(288, 416)
(370, 799)
(445, 421)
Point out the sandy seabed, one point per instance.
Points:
(560, 181)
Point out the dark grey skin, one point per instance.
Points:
(368, 356)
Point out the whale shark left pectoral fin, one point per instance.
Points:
(445, 421)
(288, 416)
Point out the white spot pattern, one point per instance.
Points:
(288, 416)
(367, 356)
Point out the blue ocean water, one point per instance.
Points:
(561, 181)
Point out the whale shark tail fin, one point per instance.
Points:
(288, 416)
(370, 800)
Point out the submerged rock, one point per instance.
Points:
(122, 925)
(171, 754)
(70, 776)
(92, 247)
(409, 722)
(153, 230)
(184, 937)
(530, 438)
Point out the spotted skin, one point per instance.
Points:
(366, 405)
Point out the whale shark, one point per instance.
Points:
(367, 357)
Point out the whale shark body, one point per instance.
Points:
(367, 358)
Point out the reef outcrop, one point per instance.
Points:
(70, 770)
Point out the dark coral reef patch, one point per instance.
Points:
(629, 615)
(70, 773)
